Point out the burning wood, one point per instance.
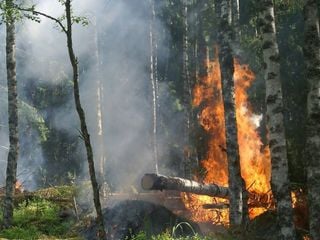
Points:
(152, 181)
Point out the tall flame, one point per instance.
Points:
(254, 158)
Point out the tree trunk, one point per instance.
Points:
(237, 202)
(236, 19)
(84, 130)
(11, 174)
(154, 84)
(312, 62)
(187, 95)
(202, 137)
(152, 181)
(275, 125)
(100, 154)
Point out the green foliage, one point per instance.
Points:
(8, 11)
(168, 236)
(64, 191)
(37, 219)
(31, 117)
(20, 233)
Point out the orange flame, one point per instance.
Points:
(254, 160)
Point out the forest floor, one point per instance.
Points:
(51, 213)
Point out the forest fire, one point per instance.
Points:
(255, 159)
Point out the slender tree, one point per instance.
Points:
(83, 124)
(99, 134)
(235, 181)
(187, 92)
(275, 125)
(11, 174)
(236, 18)
(312, 62)
(154, 83)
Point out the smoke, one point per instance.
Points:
(117, 38)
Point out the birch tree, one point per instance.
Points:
(275, 124)
(99, 134)
(235, 181)
(187, 95)
(11, 174)
(312, 64)
(154, 84)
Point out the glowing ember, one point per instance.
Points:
(255, 160)
(18, 187)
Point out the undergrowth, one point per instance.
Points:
(37, 219)
(168, 236)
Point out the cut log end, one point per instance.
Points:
(147, 181)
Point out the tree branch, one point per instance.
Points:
(34, 12)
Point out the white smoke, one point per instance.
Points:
(123, 44)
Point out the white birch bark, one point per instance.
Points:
(275, 122)
(154, 84)
(235, 181)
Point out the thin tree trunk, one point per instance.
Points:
(202, 63)
(202, 56)
(312, 61)
(187, 95)
(154, 83)
(237, 202)
(11, 174)
(236, 19)
(100, 155)
(84, 130)
(275, 125)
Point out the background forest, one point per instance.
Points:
(117, 89)
(52, 152)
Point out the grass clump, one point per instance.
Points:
(37, 219)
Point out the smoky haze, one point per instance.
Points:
(119, 32)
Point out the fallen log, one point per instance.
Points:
(152, 181)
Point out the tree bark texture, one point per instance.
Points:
(312, 63)
(154, 84)
(153, 181)
(84, 129)
(236, 19)
(11, 174)
(235, 181)
(187, 94)
(275, 124)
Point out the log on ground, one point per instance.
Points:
(152, 181)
